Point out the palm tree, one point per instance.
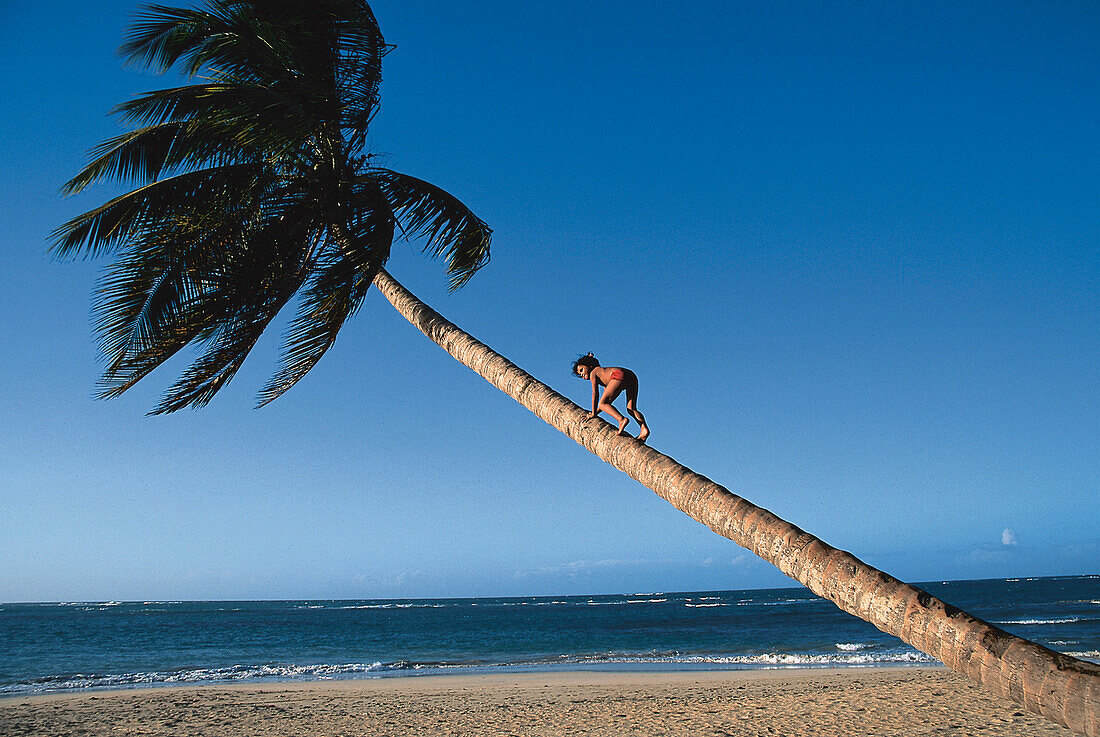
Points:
(255, 187)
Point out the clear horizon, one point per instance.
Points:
(611, 594)
(851, 251)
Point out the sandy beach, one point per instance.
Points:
(902, 701)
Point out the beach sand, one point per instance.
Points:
(902, 701)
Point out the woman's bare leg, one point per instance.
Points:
(632, 408)
(611, 391)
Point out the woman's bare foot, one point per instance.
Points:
(622, 425)
(643, 433)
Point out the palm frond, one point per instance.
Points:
(157, 297)
(226, 35)
(225, 99)
(252, 117)
(256, 280)
(448, 227)
(144, 154)
(178, 280)
(345, 269)
(146, 313)
(188, 194)
(276, 42)
(235, 337)
(359, 66)
(137, 295)
(160, 35)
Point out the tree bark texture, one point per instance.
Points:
(1059, 687)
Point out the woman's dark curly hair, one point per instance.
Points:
(588, 360)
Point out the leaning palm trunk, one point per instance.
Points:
(1057, 686)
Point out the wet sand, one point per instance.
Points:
(902, 701)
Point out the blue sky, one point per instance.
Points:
(851, 249)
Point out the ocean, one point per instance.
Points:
(90, 645)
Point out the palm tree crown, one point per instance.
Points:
(254, 185)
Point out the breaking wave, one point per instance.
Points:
(80, 681)
(238, 673)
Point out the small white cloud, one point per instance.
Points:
(1008, 537)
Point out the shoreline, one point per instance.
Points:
(475, 671)
(911, 700)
